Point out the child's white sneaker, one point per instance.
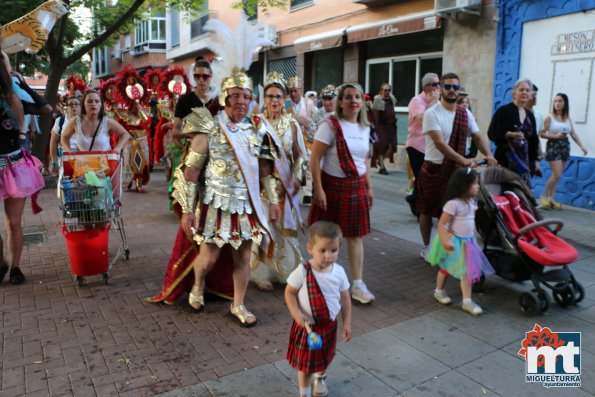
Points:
(424, 252)
(361, 293)
(441, 296)
(472, 308)
(319, 388)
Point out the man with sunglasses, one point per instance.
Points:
(446, 127)
(201, 96)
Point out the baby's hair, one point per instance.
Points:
(324, 229)
(459, 183)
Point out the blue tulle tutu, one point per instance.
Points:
(466, 261)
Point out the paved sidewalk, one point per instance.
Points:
(60, 339)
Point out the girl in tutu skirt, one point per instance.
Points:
(20, 175)
(455, 250)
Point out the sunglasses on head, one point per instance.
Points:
(448, 87)
(201, 76)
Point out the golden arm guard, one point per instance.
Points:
(271, 186)
(185, 192)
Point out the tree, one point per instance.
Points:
(109, 21)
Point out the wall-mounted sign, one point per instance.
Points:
(574, 43)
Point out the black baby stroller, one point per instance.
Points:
(520, 246)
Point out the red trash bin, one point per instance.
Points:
(88, 251)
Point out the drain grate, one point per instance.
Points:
(35, 234)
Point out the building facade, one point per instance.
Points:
(553, 44)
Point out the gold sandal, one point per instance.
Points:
(242, 315)
(197, 296)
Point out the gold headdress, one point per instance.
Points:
(234, 51)
(275, 78)
(294, 82)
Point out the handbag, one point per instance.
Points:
(514, 161)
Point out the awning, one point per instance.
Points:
(394, 26)
(320, 41)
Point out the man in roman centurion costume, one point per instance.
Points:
(235, 154)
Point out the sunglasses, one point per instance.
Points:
(449, 87)
(274, 97)
(201, 76)
(435, 84)
(386, 90)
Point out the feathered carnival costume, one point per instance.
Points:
(75, 86)
(173, 83)
(133, 117)
(240, 215)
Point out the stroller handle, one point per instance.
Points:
(546, 222)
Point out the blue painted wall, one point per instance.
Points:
(577, 186)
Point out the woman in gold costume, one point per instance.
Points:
(289, 164)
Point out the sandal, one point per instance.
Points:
(16, 276)
(242, 315)
(197, 296)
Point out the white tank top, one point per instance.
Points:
(557, 126)
(102, 141)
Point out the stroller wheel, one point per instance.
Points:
(580, 291)
(530, 304)
(564, 295)
(544, 299)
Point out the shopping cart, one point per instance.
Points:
(90, 194)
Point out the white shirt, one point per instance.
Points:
(358, 141)
(331, 284)
(463, 216)
(57, 131)
(102, 140)
(438, 118)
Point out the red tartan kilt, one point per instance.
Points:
(430, 189)
(346, 204)
(302, 358)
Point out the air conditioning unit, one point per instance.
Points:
(269, 32)
(455, 6)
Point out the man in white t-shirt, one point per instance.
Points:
(446, 128)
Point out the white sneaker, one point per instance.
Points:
(319, 388)
(362, 294)
(424, 252)
(441, 296)
(472, 308)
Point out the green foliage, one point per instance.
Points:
(252, 7)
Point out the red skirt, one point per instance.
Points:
(346, 204)
(302, 358)
(430, 189)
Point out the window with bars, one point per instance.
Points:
(151, 29)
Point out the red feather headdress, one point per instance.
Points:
(149, 78)
(174, 82)
(114, 95)
(131, 87)
(73, 84)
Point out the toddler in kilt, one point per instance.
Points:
(317, 291)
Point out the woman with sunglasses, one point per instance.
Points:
(93, 127)
(20, 174)
(73, 109)
(289, 163)
(341, 181)
(513, 130)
